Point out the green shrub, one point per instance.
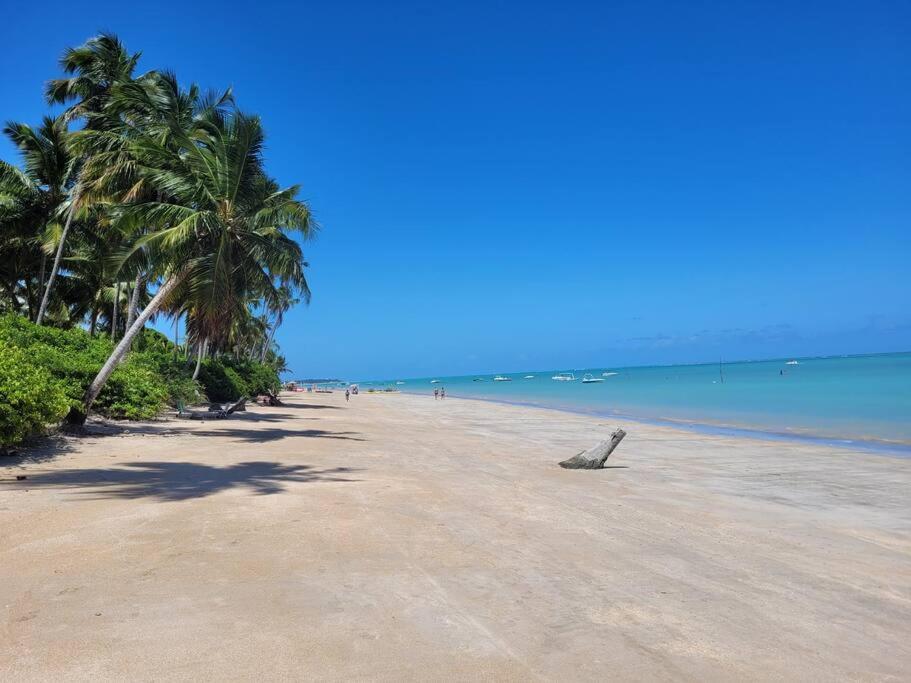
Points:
(66, 361)
(221, 382)
(30, 398)
(138, 389)
(132, 392)
(259, 378)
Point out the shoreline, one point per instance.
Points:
(871, 445)
(394, 535)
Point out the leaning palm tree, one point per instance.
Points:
(222, 232)
(95, 69)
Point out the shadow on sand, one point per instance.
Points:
(176, 481)
(232, 430)
(307, 406)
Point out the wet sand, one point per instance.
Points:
(397, 537)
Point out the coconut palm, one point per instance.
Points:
(279, 304)
(95, 69)
(30, 201)
(221, 231)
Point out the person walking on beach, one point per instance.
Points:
(442, 393)
(436, 393)
(347, 395)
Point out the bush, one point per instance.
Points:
(138, 389)
(132, 392)
(226, 379)
(221, 382)
(30, 398)
(62, 363)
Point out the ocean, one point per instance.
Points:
(847, 399)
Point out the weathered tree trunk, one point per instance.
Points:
(200, 356)
(66, 228)
(176, 346)
(115, 313)
(41, 270)
(78, 417)
(262, 358)
(594, 458)
(94, 321)
(134, 301)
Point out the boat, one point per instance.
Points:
(564, 377)
(501, 378)
(792, 362)
(609, 374)
(478, 379)
(588, 378)
(434, 381)
(399, 382)
(529, 376)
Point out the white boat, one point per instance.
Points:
(564, 377)
(792, 362)
(399, 382)
(590, 379)
(434, 381)
(609, 374)
(501, 378)
(529, 376)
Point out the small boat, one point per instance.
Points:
(501, 378)
(792, 362)
(399, 382)
(609, 374)
(478, 379)
(564, 377)
(589, 379)
(529, 376)
(434, 381)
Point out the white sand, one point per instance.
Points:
(453, 547)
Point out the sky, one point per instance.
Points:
(507, 186)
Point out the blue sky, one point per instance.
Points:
(506, 186)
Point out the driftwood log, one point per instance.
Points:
(594, 458)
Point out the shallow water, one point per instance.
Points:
(866, 398)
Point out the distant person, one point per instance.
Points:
(442, 393)
(347, 395)
(436, 393)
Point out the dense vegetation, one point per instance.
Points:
(143, 198)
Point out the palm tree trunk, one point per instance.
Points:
(39, 286)
(262, 357)
(41, 270)
(94, 321)
(134, 301)
(200, 356)
(120, 352)
(77, 192)
(115, 314)
(176, 348)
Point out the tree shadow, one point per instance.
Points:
(231, 431)
(275, 434)
(176, 481)
(305, 406)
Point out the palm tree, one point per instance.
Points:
(279, 304)
(30, 201)
(96, 68)
(221, 232)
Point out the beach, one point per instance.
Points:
(400, 538)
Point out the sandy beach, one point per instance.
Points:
(396, 537)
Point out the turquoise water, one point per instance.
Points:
(863, 398)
